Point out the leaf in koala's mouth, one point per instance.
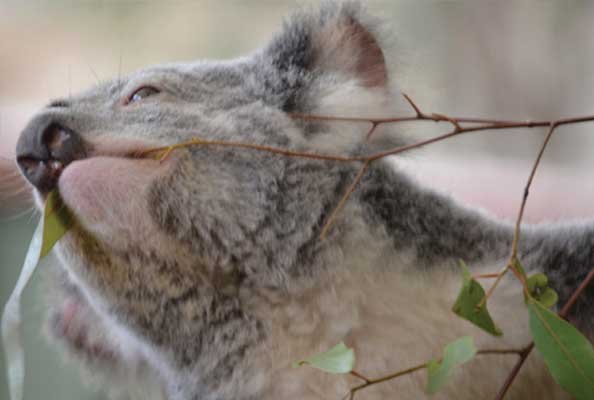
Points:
(55, 223)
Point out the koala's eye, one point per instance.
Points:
(142, 93)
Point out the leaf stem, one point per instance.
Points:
(485, 276)
(370, 382)
(510, 378)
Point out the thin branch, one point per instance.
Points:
(573, 299)
(485, 276)
(370, 382)
(513, 258)
(514, 254)
(514, 372)
(501, 351)
(413, 105)
(343, 200)
(374, 125)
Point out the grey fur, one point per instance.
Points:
(237, 231)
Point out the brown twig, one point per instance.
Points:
(485, 276)
(456, 122)
(370, 382)
(572, 300)
(343, 200)
(513, 258)
(514, 372)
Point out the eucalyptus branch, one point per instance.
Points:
(459, 126)
(513, 259)
(563, 314)
(370, 382)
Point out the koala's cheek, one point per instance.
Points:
(108, 195)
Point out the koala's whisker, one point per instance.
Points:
(34, 213)
(29, 210)
(11, 178)
(15, 193)
(94, 73)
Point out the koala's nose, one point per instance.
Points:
(44, 149)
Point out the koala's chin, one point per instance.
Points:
(203, 276)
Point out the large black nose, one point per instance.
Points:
(43, 150)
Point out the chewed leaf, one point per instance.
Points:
(56, 222)
(567, 353)
(536, 282)
(538, 286)
(466, 306)
(548, 298)
(456, 353)
(338, 360)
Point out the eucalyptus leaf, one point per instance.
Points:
(548, 298)
(567, 353)
(56, 222)
(537, 281)
(456, 353)
(466, 306)
(338, 360)
(538, 286)
(51, 228)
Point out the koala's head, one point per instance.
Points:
(208, 217)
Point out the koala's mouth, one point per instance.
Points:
(126, 149)
(44, 163)
(104, 183)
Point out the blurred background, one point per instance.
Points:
(507, 60)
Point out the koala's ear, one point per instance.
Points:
(338, 39)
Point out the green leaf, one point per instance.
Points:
(548, 298)
(538, 286)
(456, 353)
(567, 353)
(468, 299)
(537, 281)
(56, 222)
(338, 360)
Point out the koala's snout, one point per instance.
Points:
(44, 149)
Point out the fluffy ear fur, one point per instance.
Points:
(331, 62)
(339, 40)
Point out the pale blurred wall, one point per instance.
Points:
(523, 60)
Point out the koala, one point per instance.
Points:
(203, 276)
